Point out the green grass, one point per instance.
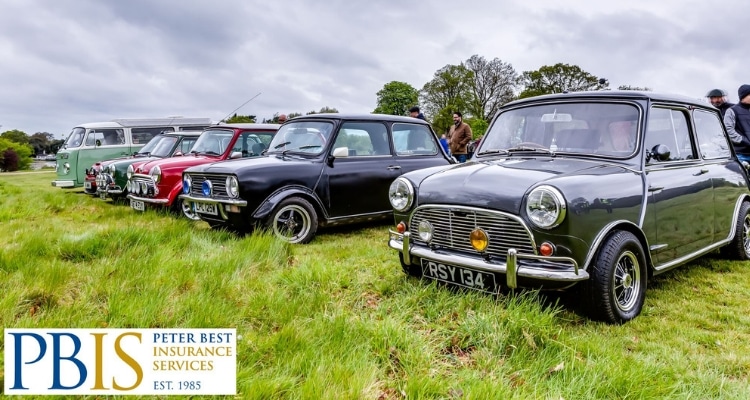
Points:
(338, 319)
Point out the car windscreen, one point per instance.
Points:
(75, 139)
(150, 146)
(213, 142)
(600, 128)
(164, 147)
(302, 137)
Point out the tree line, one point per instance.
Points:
(478, 88)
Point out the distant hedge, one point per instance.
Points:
(14, 156)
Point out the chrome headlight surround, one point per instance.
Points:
(66, 168)
(111, 169)
(130, 171)
(545, 207)
(233, 186)
(156, 174)
(187, 183)
(401, 194)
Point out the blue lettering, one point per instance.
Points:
(56, 358)
(18, 382)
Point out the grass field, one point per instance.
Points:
(338, 319)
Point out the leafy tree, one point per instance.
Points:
(449, 90)
(478, 126)
(16, 136)
(494, 84)
(323, 110)
(395, 98)
(294, 114)
(628, 87)
(14, 156)
(238, 119)
(41, 142)
(55, 145)
(559, 78)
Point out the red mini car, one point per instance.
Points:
(159, 183)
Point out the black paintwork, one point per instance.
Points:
(342, 189)
(678, 209)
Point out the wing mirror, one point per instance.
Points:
(660, 152)
(235, 154)
(342, 152)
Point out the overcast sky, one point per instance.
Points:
(67, 62)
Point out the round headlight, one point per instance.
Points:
(156, 174)
(207, 188)
(143, 188)
(233, 187)
(66, 168)
(130, 171)
(111, 168)
(127, 186)
(545, 207)
(187, 182)
(479, 239)
(401, 194)
(425, 230)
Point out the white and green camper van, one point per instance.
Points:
(96, 141)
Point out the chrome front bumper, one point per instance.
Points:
(511, 268)
(221, 204)
(148, 199)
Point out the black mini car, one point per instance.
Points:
(599, 190)
(319, 170)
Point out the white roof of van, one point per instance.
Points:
(148, 122)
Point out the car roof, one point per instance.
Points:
(362, 117)
(247, 126)
(617, 94)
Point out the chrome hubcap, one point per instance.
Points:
(627, 283)
(292, 223)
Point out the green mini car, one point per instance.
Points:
(111, 182)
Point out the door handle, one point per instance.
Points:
(701, 172)
(394, 167)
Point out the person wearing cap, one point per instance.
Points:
(737, 121)
(414, 112)
(718, 99)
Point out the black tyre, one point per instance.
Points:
(294, 220)
(616, 289)
(410, 269)
(739, 247)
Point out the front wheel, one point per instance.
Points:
(294, 220)
(185, 208)
(616, 290)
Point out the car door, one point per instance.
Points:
(358, 182)
(681, 198)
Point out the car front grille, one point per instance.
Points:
(218, 185)
(452, 226)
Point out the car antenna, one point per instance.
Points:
(235, 110)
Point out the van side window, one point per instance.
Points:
(106, 137)
(143, 135)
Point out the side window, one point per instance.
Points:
(143, 135)
(106, 137)
(712, 142)
(249, 144)
(363, 139)
(669, 127)
(413, 139)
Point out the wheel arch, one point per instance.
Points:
(269, 204)
(607, 231)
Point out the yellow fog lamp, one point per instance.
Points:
(479, 239)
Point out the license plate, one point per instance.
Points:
(205, 208)
(468, 278)
(87, 185)
(137, 205)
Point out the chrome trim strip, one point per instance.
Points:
(63, 184)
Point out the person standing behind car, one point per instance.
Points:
(718, 99)
(737, 121)
(415, 113)
(460, 136)
(444, 143)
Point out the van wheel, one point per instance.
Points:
(739, 247)
(616, 289)
(294, 220)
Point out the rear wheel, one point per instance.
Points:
(739, 247)
(616, 290)
(294, 220)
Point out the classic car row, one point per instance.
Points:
(596, 192)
